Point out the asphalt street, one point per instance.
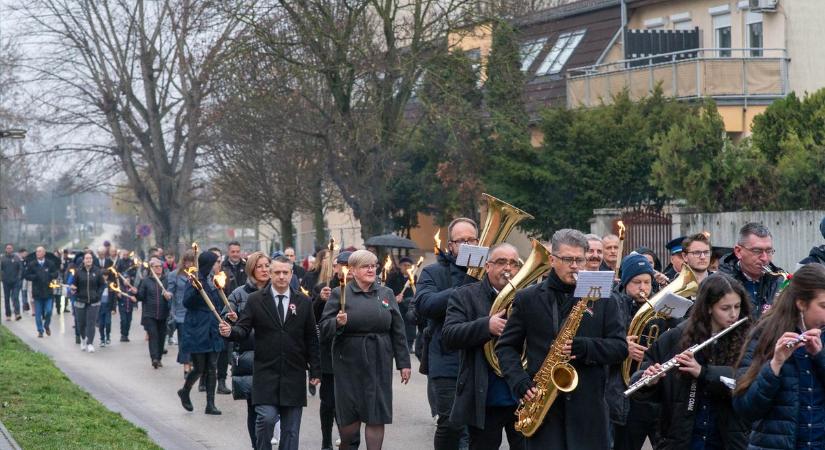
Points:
(122, 378)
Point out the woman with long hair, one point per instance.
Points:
(176, 282)
(696, 408)
(781, 387)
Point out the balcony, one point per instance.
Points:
(736, 76)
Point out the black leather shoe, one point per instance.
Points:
(222, 389)
(210, 409)
(201, 387)
(184, 399)
(155, 363)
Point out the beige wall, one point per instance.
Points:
(805, 20)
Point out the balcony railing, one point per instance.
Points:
(721, 73)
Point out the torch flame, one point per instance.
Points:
(191, 270)
(345, 271)
(388, 264)
(54, 284)
(113, 287)
(420, 261)
(71, 271)
(621, 226)
(220, 280)
(706, 233)
(304, 291)
(437, 238)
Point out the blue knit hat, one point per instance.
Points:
(633, 265)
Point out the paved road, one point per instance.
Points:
(122, 378)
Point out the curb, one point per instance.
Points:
(6, 441)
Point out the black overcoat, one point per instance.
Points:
(578, 419)
(284, 352)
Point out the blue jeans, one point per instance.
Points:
(290, 418)
(104, 321)
(43, 313)
(125, 312)
(11, 295)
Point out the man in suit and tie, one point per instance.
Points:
(286, 346)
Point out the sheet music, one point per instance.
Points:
(672, 305)
(471, 255)
(594, 284)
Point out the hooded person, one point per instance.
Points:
(201, 337)
(817, 254)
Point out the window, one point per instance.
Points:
(529, 52)
(721, 34)
(560, 53)
(755, 38)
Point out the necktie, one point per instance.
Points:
(281, 307)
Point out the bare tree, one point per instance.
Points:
(129, 79)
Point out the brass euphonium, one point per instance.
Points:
(685, 285)
(537, 264)
(502, 217)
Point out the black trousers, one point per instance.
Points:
(157, 333)
(496, 418)
(251, 418)
(447, 434)
(223, 362)
(327, 412)
(204, 364)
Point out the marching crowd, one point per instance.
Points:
(342, 325)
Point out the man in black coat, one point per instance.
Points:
(578, 419)
(11, 268)
(748, 263)
(483, 401)
(41, 272)
(286, 346)
(433, 290)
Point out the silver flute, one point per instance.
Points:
(672, 363)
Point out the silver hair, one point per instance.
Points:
(501, 245)
(360, 258)
(592, 237)
(569, 237)
(755, 229)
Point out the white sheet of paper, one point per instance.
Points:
(601, 283)
(672, 305)
(471, 255)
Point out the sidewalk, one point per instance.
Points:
(122, 378)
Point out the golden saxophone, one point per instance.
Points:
(555, 374)
(536, 265)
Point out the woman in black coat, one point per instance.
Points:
(88, 285)
(696, 404)
(155, 300)
(201, 337)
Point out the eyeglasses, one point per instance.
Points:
(699, 253)
(369, 266)
(472, 241)
(501, 262)
(569, 260)
(155, 265)
(760, 251)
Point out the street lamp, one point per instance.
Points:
(13, 133)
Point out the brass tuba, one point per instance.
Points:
(502, 217)
(686, 286)
(555, 374)
(536, 265)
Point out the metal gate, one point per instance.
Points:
(646, 227)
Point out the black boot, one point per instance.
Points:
(202, 386)
(222, 389)
(184, 399)
(211, 409)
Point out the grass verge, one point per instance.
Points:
(43, 409)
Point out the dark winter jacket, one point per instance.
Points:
(766, 289)
(675, 391)
(817, 255)
(150, 293)
(41, 276)
(598, 343)
(11, 267)
(434, 288)
(235, 275)
(771, 402)
(467, 329)
(200, 328)
(243, 353)
(318, 305)
(90, 284)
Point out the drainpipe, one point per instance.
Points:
(623, 8)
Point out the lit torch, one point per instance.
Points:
(621, 226)
(191, 273)
(220, 282)
(411, 276)
(386, 269)
(196, 249)
(437, 238)
(304, 291)
(157, 280)
(344, 272)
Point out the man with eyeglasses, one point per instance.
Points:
(483, 401)
(434, 288)
(696, 253)
(578, 419)
(750, 263)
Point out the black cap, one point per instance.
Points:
(405, 259)
(343, 257)
(675, 246)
